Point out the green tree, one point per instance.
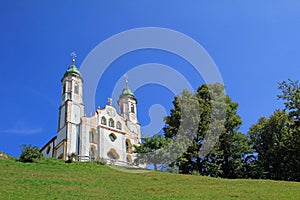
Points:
(30, 154)
(233, 144)
(271, 140)
(291, 95)
(276, 140)
(217, 149)
(149, 151)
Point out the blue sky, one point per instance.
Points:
(255, 45)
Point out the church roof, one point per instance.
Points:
(127, 92)
(73, 70)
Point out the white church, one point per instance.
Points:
(107, 134)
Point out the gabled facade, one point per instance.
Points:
(107, 134)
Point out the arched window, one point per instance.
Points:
(69, 86)
(119, 125)
(76, 88)
(111, 123)
(112, 154)
(128, 146)
(92, 153)
(93, 136)
(132, 108)
(128, 159)
(103, 120)
(112, 137)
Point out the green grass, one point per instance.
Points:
(54, 179)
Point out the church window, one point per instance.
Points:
(119, 125)
(132, 108)
(128, 159)
(103, 120)
(128, 146)
(92, 136)
(112, 154)
(76, 88)
(69, 86)
(92, 153)
(111, 123)
(112, 137)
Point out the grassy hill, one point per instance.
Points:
(55, 179)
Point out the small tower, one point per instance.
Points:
(127, 103)
(70, 112)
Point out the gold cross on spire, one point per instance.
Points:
(126, 80)
(73, 54)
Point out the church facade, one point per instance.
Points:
(107, 134)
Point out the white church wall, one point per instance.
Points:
(48, 150)
(61, 135)
(60, 151)
(71, 139)
(62, 116)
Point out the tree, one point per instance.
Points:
(276, 140)
(217, 149)
(30, 154)
(291, 95)
(233, 144)
(149, 151)
(272, 142)
(161, 150)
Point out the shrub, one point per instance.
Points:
(3, 155)
(72, 157)
(101, 161)
(30, 154)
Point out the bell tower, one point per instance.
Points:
(127, 103)
(70, 112)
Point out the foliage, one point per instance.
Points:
(217, 149)
(271, 141)
(291, 95)
(149, 151)
(276, 140)
(3, 155)
(72, 157)
(101, 161)
(30, 154)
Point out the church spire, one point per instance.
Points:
(73, 54)
(73, 69)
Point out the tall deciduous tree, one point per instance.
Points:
(276, 139)
(149, 151)
(217, 148)
(272, 142)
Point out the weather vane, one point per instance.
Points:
(73, 54)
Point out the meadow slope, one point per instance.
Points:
(55, 179)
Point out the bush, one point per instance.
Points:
(72, 157)
(101, 161)
(3, 155)
(30, 154)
